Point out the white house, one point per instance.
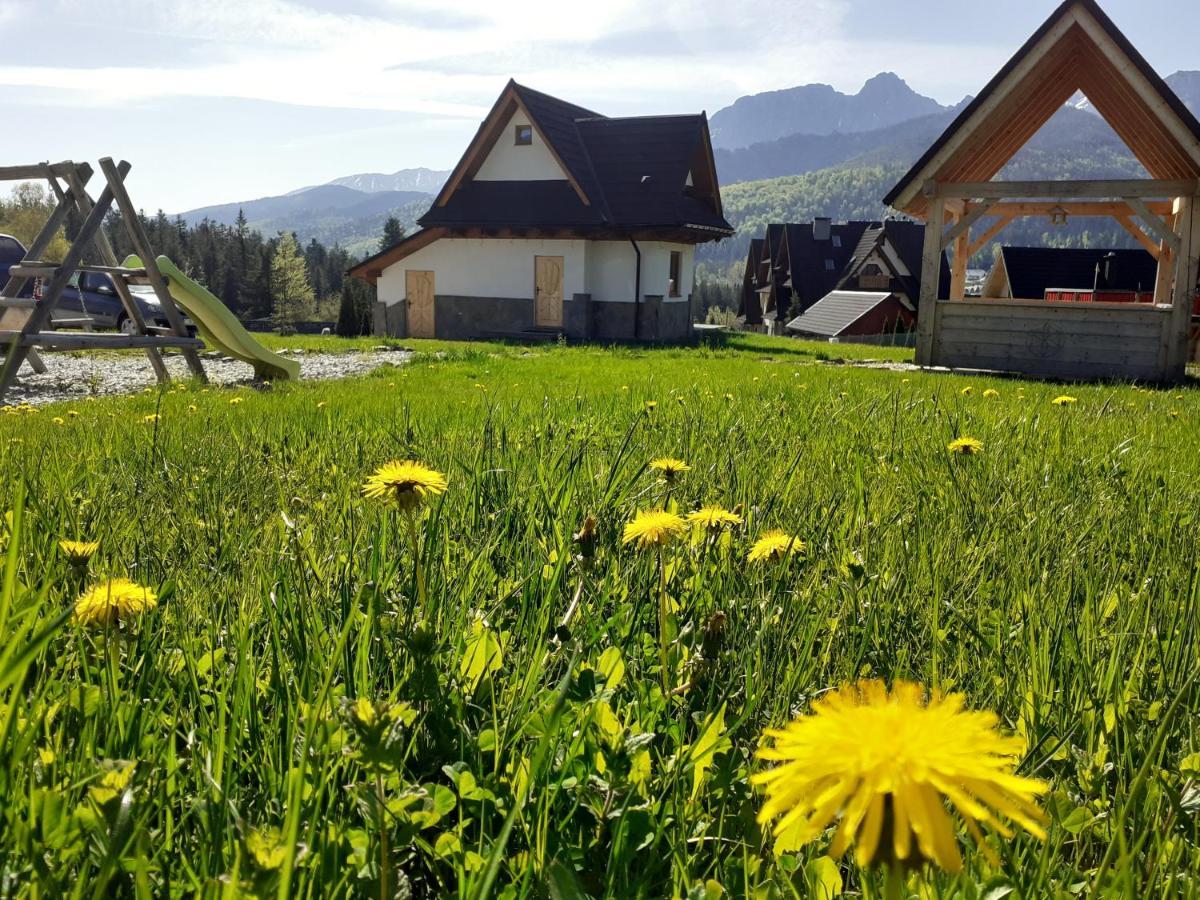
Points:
(558, 220)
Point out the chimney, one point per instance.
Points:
(822, 228)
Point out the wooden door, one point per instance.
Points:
(548, 290)
(419, 288)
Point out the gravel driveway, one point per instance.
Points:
(71, 376)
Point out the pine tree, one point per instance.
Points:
(292, 293)
(393, 233)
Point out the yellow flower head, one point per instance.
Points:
(78, 552)
(967, 391)
(991, 393)
(651, 405)
(116, 599)
(653, 528)
(714, 518)
(1064, 400)
(885, 765)
(967, 446)
(235, 401)
(406, 484)
(669, 467)
(773, 546)
(151, 419)
(59, 420)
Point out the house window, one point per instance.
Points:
(829, 266)
(523, 135)
(837, 240)
(676, 269)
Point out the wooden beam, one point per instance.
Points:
(141, 243)
(1187, 273)
(983, 239)
(1077, 208)
(38, 171)
(60, 340)
(1122, 189)
(963, 225)
(1142, 238)
(1157, 225)
(931, 272)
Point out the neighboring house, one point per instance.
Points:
(770, 280)
(857, 316)
(814, 259)
(1046, 273)
(750, 308)
(558, 220)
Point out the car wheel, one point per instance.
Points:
(126, 325)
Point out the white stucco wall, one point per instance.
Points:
(508, 161)
(610, 269)
(467, 267)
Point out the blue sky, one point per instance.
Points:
(222, 100)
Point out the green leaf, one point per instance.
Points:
(482, 655)
(824, 877)
(611, 667)
(712, 740)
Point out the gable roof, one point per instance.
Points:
(836, 311)
(811, 278)
(1033, 270)
(622, 173)
(907, 240)
(1077, 48)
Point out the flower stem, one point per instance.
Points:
(662, 621)
(410, 520)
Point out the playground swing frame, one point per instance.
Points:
(25, 323)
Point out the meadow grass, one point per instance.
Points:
(293, 720)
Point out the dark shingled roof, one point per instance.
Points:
(835, 312)
(632, 170)
(908, 240)
(811, 278)
(1033, 270)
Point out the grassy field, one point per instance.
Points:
(295, 719)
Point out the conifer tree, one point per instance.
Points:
(290, 289)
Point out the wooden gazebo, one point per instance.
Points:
(951, 189)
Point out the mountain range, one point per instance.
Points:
(780, 155)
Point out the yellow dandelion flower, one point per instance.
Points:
(72, 413)
(651, 405)
(1173, 414)
(729, 396)
(653, 528)
(714, 519)
(773, 546)
(59, 420)
(321, 404)
(1064, 400)
(405, 483)
(234, 401)
(151, 419)
(965, 445)
(886, 765)
(967, 391)
(78, 552)
(669, 467)
(192, 407)
(115, 599)
(991, 393)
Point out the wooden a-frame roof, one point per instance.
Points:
(1077, 49)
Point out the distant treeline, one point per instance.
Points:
(256, 276)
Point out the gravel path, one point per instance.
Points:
(70, 376)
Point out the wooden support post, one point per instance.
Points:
(40, 317)
(1187, 273)
(1157, 225)
(141, 243)
(1142, 238)
(931, 271)
(109, 257)
(959, 259)
(983, 239)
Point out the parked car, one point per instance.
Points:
(12, 252)
(94, 295)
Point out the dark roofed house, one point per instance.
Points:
(1047, 273)
(750, 308)
(855, 316)
(558, 221)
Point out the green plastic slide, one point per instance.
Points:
(218, 326)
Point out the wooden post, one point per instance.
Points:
(1187, 273)
(141, 243)
(958, 271)
(109, 258)
(931, 271)
(40, 316)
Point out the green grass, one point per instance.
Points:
(213, 744)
